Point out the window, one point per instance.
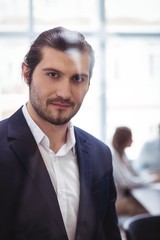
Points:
(125, 86)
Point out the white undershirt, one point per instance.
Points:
(63, 171)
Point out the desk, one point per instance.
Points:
(149, 197)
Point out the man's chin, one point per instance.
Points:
(59, 121)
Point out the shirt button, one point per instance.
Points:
(59, 193)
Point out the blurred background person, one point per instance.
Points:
(149, 158)
(125, 176)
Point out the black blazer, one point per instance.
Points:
(29, 208)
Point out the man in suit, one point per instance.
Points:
(56, 180)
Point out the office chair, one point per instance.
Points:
(142, 227)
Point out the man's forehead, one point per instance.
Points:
(71, 53)
(68, 59)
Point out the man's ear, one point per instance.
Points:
(25, 72)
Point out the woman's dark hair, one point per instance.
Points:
(121, 137)
(61, 39)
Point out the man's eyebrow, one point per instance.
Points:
(58, 71)
(51, 69)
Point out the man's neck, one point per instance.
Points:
(57, 134)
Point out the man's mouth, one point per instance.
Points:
(60, 105)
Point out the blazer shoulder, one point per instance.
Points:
(87, 137)
(4, 122)
(12, 124)
(3, 128)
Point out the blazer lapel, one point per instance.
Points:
(84, 155)
(25, 147)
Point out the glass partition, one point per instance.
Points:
(133, 88)
(133, 16)
(14, 15)
(125, 35)
(81, 14)
(12, 87)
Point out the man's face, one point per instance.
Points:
(58, 86)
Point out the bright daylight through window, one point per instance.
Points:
(126, 80)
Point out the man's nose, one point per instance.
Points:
(64, 89)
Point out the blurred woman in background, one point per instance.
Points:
(124, 174)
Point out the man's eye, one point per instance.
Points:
(78, 78)
(53, 74)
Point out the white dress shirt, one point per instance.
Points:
(124, 175)
(63, 171)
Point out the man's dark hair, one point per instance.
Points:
(61, 39)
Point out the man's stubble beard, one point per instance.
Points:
(56, 120)
(41, 110)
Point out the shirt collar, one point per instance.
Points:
(41, 138)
